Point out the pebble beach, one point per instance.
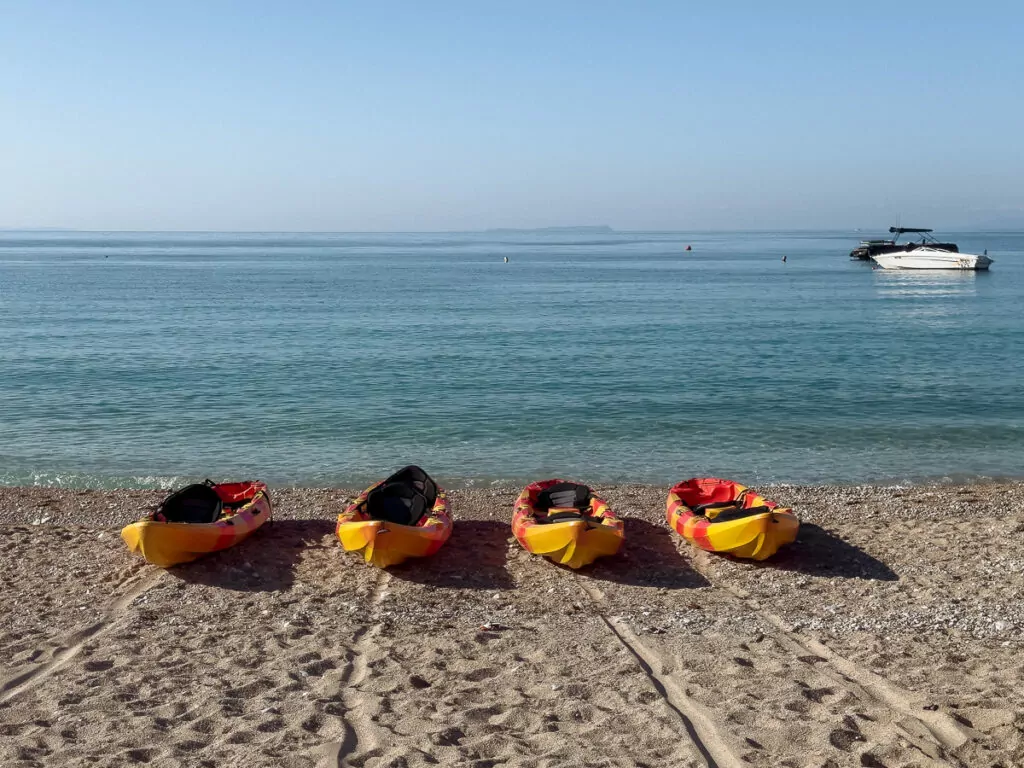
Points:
(890, 634)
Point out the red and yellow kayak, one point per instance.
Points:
(566, 522)
(403, 516)
(724, 516)
(197, 520)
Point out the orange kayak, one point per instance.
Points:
(724, 516)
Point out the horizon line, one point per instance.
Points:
(489, 230)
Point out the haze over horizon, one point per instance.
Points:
(199, 117)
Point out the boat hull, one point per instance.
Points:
(926, 258)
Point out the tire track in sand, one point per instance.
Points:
(134, 586)
(358, 743)
(934, 733)
(699, 725)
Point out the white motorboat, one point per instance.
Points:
(924, 257)
(869, 248)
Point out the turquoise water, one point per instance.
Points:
(140, 359)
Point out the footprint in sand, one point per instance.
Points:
(817, 695)
(313, 724)
(319, 667)
(232, 707)
(205, 725)
(480, 675)
(98, 665)
(843, 739)
(271, 726)
(141, 755)
(449, 737)
(191, 745)
(481, 714)
(241, 737)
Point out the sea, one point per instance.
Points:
(148, 359)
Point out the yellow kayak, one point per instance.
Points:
(566, 523)
(197, 520)
(403, 516)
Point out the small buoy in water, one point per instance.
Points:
(506, 259)
(689, 248)
(783, 259)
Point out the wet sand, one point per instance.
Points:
(891, 634)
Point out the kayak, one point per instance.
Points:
(566, 522)
(403, 516)
(724, 516)
(197, 520)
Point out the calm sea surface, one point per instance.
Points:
(141, 359)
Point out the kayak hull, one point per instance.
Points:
(573, 543)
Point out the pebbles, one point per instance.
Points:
(883, 559)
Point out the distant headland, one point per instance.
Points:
(598, 230)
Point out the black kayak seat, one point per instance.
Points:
(564, 497)
(403, 498)
(726, 511)
(197, 503)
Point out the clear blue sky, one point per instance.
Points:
(466, 115)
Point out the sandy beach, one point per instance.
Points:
(891, 634)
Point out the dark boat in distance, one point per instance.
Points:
(868, 249)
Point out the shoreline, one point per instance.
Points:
(106, 506)
(162, 483)
(891, 633)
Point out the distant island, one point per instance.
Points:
(599, 230)
(37, 229)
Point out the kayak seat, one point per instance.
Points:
(403, 498)
(724, 511)
(564, 501)
(197, 504)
